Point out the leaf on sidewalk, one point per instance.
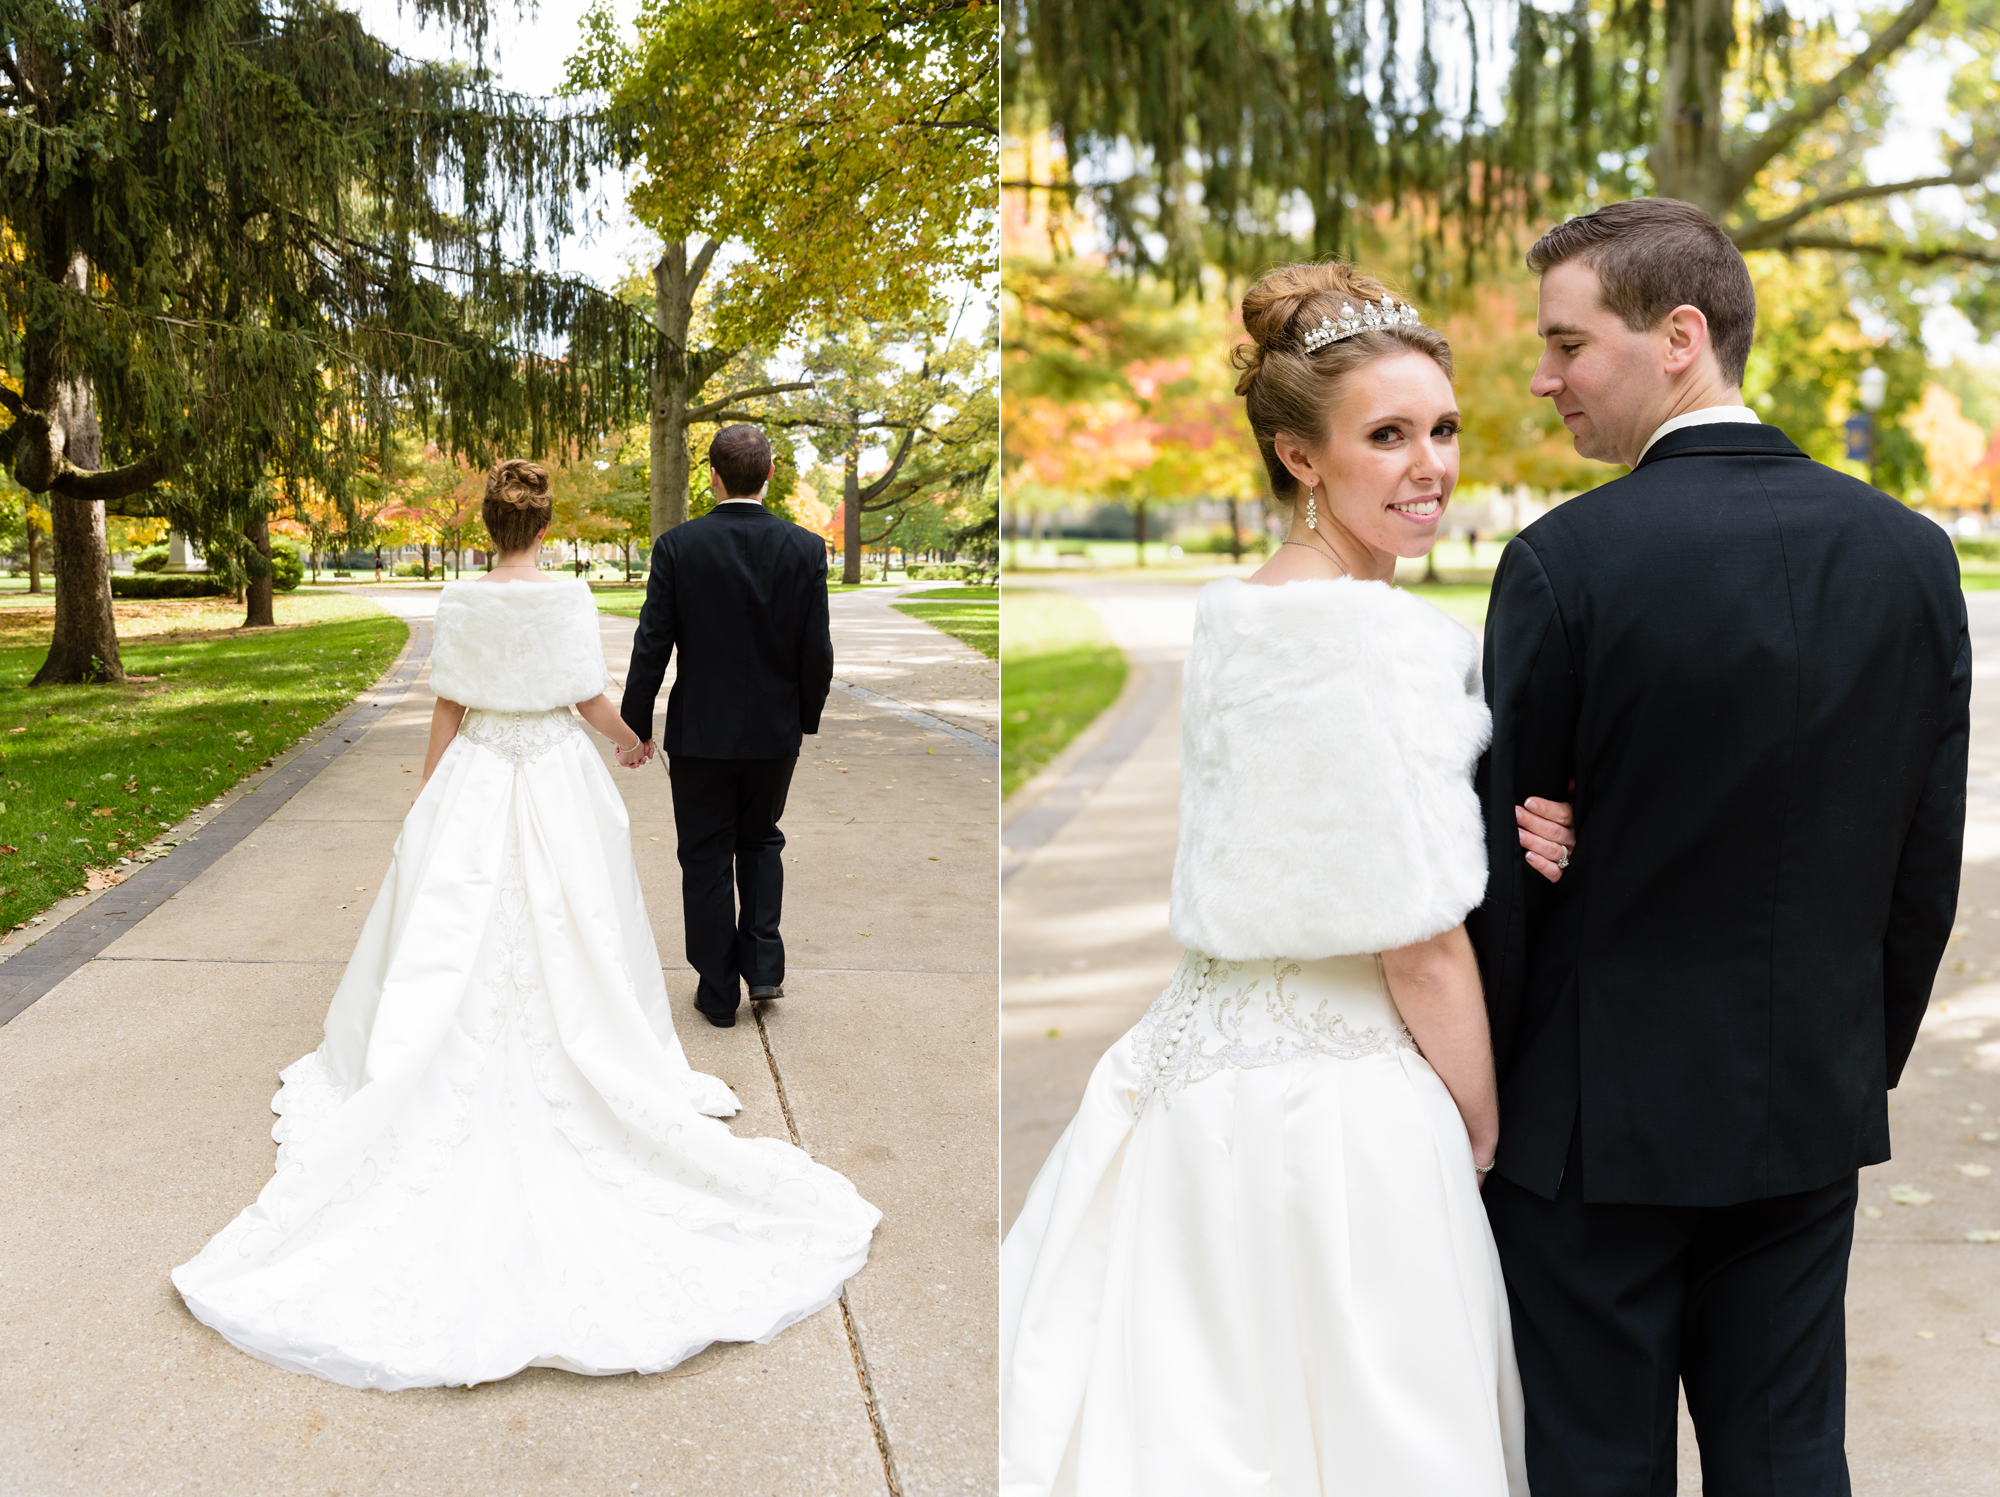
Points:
(1982, 1236)
(1909, 1195)
(1975, 1171)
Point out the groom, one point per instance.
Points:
(1756, 671)
(742, 593)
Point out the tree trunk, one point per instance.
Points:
(257, 593)
(1688, 160)
(1139, 529)
(1235, 536)
(85, 646)
(673, 310)
(34, 558)
(850, 519)
(427, 561)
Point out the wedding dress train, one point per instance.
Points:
(500, 1157)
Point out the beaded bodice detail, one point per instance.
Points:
(1217, 1015)
(519, 737)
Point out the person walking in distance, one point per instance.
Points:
(741, 593)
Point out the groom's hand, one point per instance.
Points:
(1548, 835)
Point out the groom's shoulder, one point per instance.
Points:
(1803, 497)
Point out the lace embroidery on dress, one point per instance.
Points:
(519, 737)
(1196, 1027)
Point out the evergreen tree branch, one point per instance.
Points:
(110, 483)
(1783, 132)
(26, 90)
(1762, 233)
(1914, 254)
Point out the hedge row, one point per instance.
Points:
(158, 585)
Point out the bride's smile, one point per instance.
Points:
(1380, 469)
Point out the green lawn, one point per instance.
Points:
(971, 614)
(1059, 669)
(92, 773)
(615, 597)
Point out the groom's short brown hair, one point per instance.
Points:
(741, 458)
(1654, 254)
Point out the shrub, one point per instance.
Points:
(166, 585)
(942, 571)
(152, 559)
(288, 566)
(1977, 547)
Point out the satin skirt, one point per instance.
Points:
(499, 1156)
(1257, 1262)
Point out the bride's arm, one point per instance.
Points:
(445, 718)
(1436, 985)
(601, 715)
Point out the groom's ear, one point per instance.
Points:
(1686, 334)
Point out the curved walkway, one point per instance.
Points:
(135, 1116)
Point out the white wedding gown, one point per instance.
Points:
(1256, 1264)
(500, 1157)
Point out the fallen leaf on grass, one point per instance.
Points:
(4, 850)
(1909, 1195)
(104, 811)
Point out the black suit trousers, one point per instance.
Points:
(1614, 1305)
(726, 814)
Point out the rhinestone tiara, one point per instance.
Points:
(1369, 317)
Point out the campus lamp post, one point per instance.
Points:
(1874, 387)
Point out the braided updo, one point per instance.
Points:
(517, 503)
(1287, 389)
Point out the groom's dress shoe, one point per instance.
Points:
(720, 1021)
(776, 990)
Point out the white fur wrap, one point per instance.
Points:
(1328, 735)
(517, 646)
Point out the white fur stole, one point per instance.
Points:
(1328, 735)
(517, 646)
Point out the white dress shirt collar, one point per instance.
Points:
(759, 502)
(1708, 415)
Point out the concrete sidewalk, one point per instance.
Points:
(1087, 949)
(885, 653)
(134, 1115)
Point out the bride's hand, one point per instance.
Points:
(1548, 833)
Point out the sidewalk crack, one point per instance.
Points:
(846, 1310)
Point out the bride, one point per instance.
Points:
(1256, 1261)
(499, 1157)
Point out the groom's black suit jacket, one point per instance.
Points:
(741, 593)
(1757, 672)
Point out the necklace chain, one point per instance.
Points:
(1324, 548)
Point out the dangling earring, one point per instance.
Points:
(1312, 506)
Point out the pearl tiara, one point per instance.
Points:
(1368, 318)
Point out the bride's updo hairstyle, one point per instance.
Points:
(1288, 388)
(517, 503)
